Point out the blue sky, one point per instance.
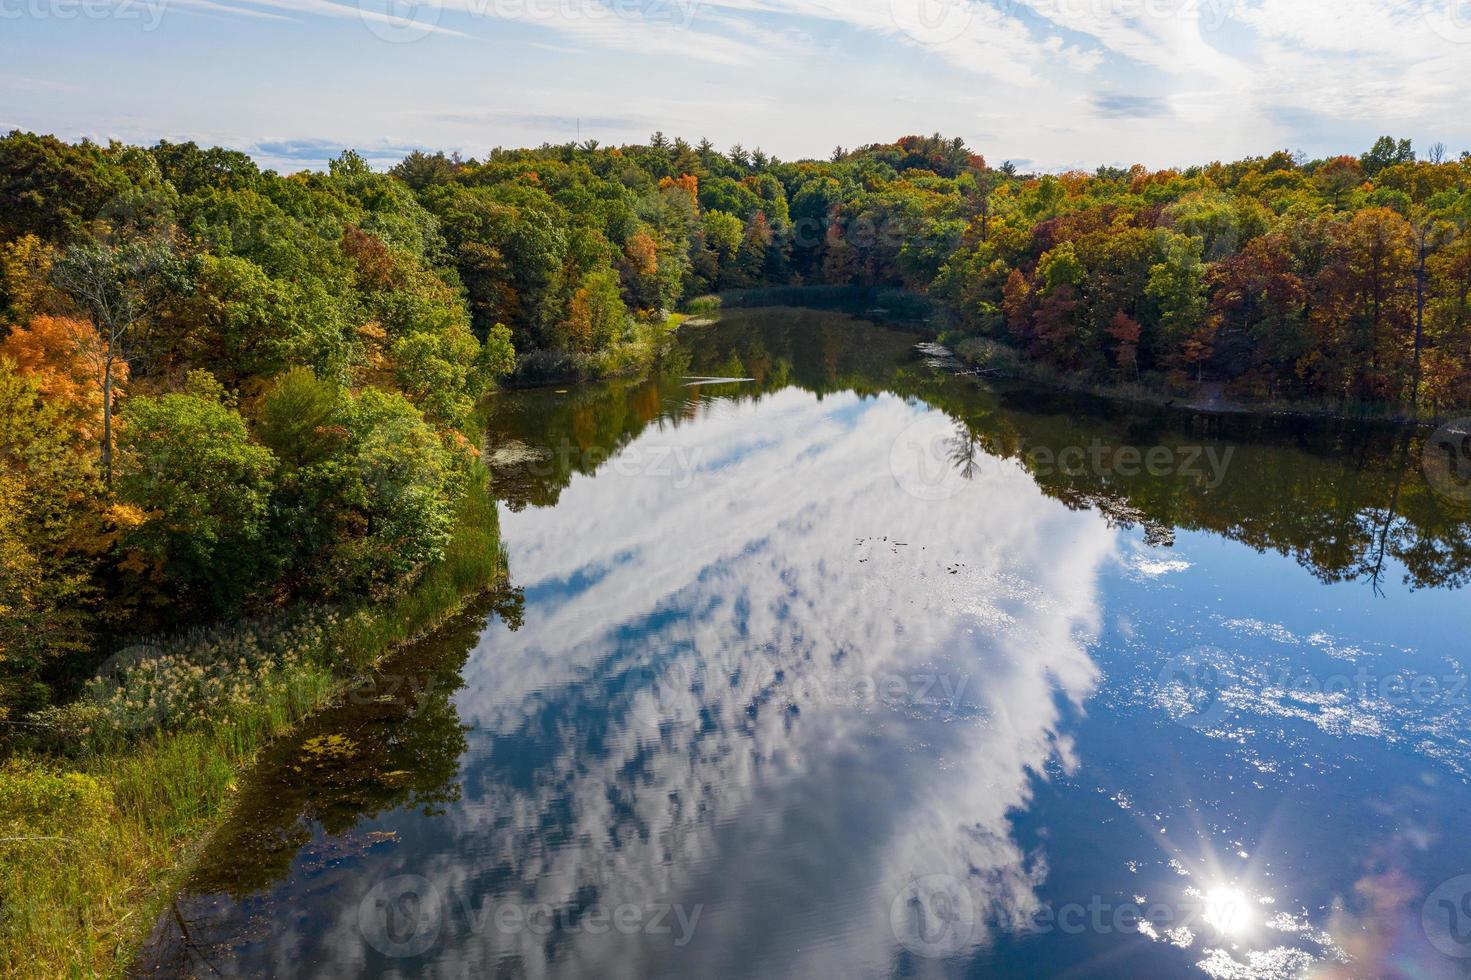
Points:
(1051, 83)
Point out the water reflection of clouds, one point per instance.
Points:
(807, 803)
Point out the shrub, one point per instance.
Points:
(187, 463)
(703, 306)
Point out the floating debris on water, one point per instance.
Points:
(693, 382)
(938, 356)
(515, 452)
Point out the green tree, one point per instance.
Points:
(50, 188)
(1387, 152)
(187, 463)
(440, 374)
(596, 316)
(404, 486)
(366, 491)
(1176, 292)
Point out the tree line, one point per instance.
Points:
(225, 390)
(1345, 280)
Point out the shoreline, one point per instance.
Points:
(634, 357)
(96, 846)
(1009, 364)
(1207, 397)
(1211, 403)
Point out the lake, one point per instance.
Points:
(819, 660)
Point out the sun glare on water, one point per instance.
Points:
(1228, 911)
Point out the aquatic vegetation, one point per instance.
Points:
(94, 836)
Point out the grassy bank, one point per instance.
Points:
(96, 833)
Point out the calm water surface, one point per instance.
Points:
(855, 668)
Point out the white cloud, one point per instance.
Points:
(1061, 82)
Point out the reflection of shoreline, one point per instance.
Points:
(1204, 397)
(1318, 491)
(391, 741)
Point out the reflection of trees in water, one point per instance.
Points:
(1341, 498)
(393, 742)
(965, 451)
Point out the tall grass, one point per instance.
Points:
(91, 847)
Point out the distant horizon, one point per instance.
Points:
(296, 156)
(1051, 84)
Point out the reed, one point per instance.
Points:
(96, 834)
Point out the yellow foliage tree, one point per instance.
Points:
(64, 356)
(52, 530)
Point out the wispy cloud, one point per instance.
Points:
(25, 83)
(1115, 106)
(549, 121)
(1064, 82)
(315, 150)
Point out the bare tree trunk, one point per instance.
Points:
(107, 415)
(1419, 322)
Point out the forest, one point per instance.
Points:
(241, 411)
(1342, 281)
(226, 392)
